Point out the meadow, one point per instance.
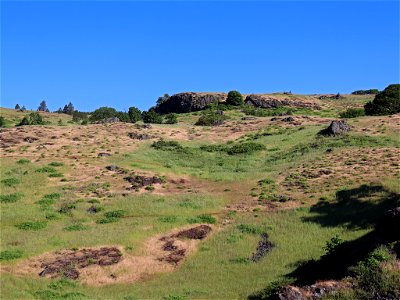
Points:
(245, 178)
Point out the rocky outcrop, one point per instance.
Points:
(337, 127)
(266, 101)
(187, 102)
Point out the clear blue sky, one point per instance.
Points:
(128, 53)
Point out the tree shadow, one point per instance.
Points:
(365, 207)
(357, 208)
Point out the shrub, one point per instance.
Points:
(375, 280)
(171, 119)
(166, 145)
(103, 113)
(135, 114)
(10, 181)
(115, 214)
(10, 254)
(123, 117)
(203, 219)
(250, 229)
(352, 113)
(46, 169)
(211, 119)
(332, 244)
(56, 164)
(234, 98)
(10, 198)
(168, 219)
(34, 118)
(2, 121)
(386, 102)
(245, 148)
(366, 92)
(152, 117)
(33, 225)
(23, 161)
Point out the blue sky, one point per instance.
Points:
(128, 53)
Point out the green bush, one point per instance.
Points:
(10, 254)
(10, 198)
(34, 118)
(386, 102)
(211, 119)
(332, 244)
(103, 113)
(152, 117)
(245, 148)
(115, 214)
(234, 98)
(46, 169)
(375, 280)
(2, 122)
(166, 145)
(366, 92)
(10, 181)
(202, 219)
(56, 164)
(23, 161)
(34, 225)
(171, 119)
(250, 229)
(135, 114)
(352, 113)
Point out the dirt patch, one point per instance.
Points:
(67, 263)
(111, 264)
(197, 233)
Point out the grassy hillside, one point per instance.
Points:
(72, 187)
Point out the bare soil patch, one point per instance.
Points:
(112, 264)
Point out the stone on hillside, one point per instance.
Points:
(336, 128)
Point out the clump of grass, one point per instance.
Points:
(168, 219)
(189, 204)
(76, 227)
(10, 181)
(56, 164)
(46, 169)
(240, 260)
(115, 213)
(23, 161)
(249, 229)
(10, 254)
(174, 297)
(53, 175)
(61, 284)
(202, 219)
(32, 225)
(52, 216)
(112, 216)
(66, 208)
(245, 148)
(10, 198)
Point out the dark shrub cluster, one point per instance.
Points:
(152, 117)
(240, 148)
(166, 145)
(34, 118)
(171, 119)
(386, 102)
(352, 113)
(211, 118)
(366, 92)
(234, 98)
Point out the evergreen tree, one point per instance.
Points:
(17, 107)
(43, 106)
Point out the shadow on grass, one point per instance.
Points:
(363, 207)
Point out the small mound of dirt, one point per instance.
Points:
(175, 257)
(263, 247)
(68, 262)
(195, 233)
(169, 246)
(139, 136)
(139, 181)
